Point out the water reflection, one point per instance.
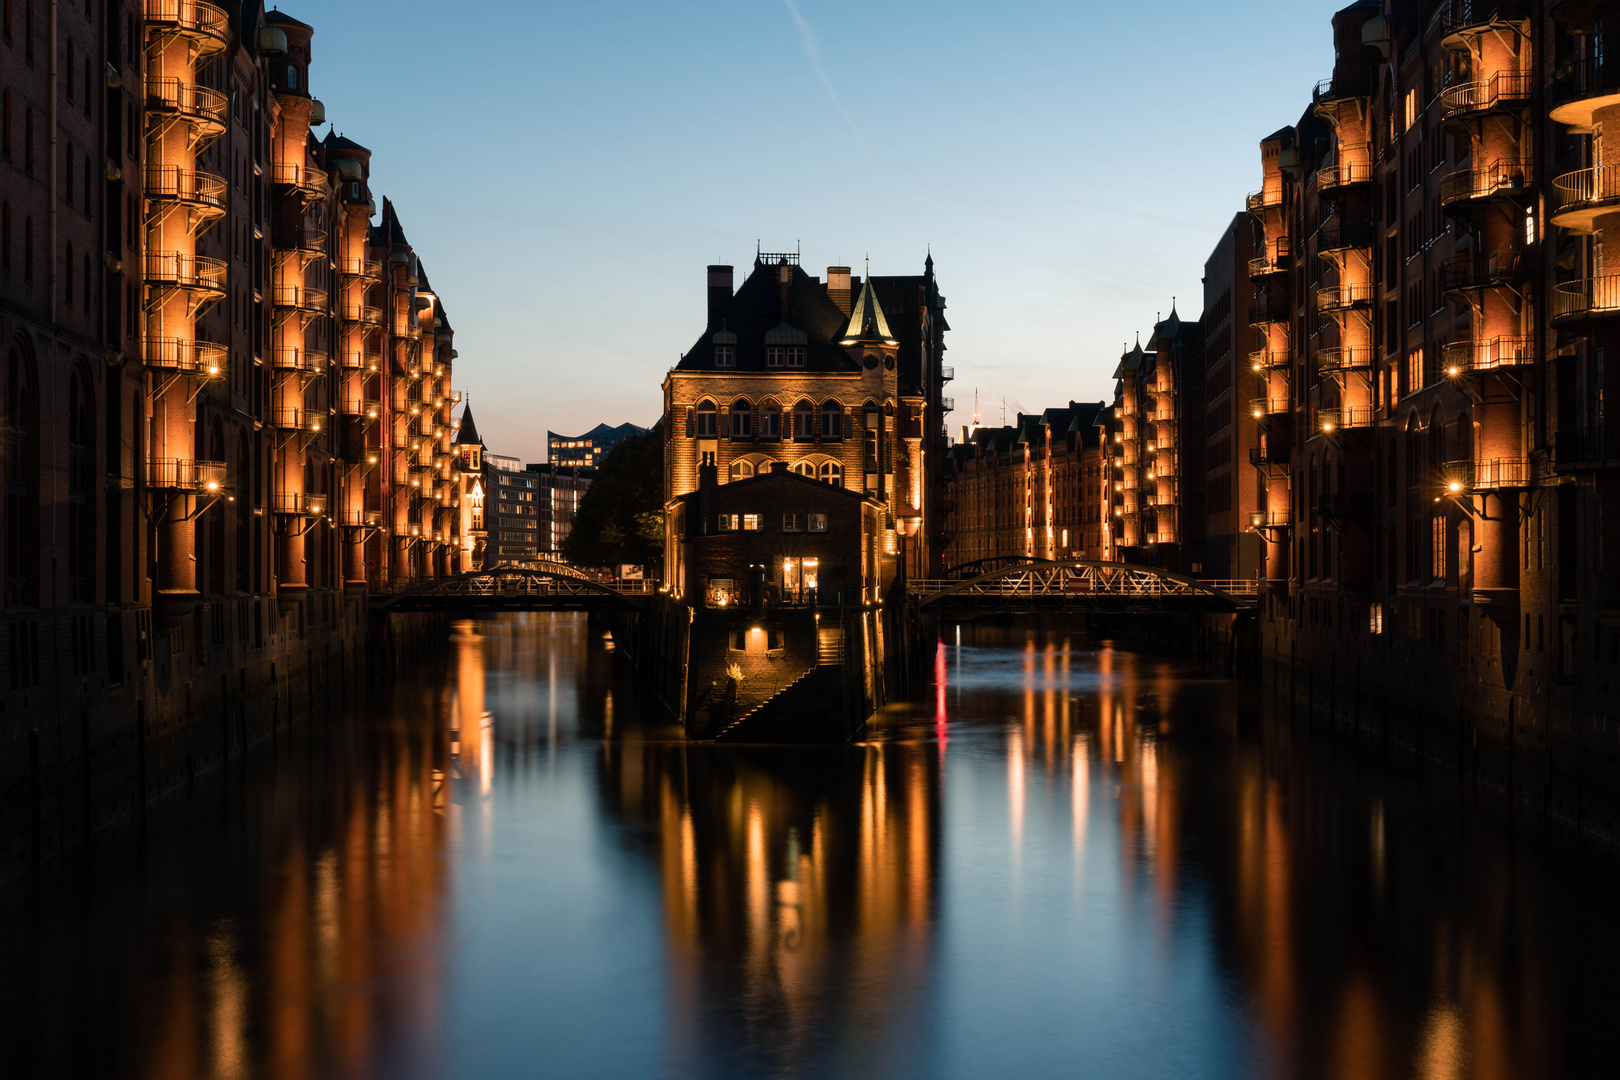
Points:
(1068, 859)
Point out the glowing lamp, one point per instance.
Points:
(213, 485)
(1327, 425)
(1258, 413)
(1454, 487)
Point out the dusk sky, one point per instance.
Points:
(566, 171)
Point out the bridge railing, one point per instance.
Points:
(1046, 581)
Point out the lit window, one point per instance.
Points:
(750, 523)
(832, 473)
(742, 421)
(707, 420)
(817, 522)
(728, 522)
(742, 470)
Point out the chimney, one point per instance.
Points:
(719, 291)
(784, 278)
(838, 288)
(708, 491)
(779, 466)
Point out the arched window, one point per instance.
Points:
(706, 420)
(804, 421)
(771, 421)
(742, 470)
(742, 420)
(805, 468)
(832, 473)
(832, 420)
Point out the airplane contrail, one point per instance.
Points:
(807, 35)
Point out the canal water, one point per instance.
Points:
(1070, 860)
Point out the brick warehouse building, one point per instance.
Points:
(227, 393)
(839, 379)
(1435, 464)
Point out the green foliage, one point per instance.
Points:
(621, 517)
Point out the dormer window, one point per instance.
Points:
(725, 356)
(784, 356)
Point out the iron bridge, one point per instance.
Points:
(1080, 584)
(548, 587)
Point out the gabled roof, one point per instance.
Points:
(334, 141)
(281, 18)
(392, 234)
(467, 434)
(763, 312)
(867, 326)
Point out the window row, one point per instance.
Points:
(790, 522)
(805, 422)
(830, 472)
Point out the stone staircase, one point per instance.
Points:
(830, 646)
(732, 727)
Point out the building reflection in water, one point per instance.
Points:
(799, 894)
(1138, 871)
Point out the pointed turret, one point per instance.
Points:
(867, 326)
(467, 434)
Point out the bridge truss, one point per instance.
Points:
(1083, 585)
(548, 587)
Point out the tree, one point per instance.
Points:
(621, 516)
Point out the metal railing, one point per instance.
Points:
(364, 314)
(1344, 296)
(1459, 356)
(1264, 199)
(1351, 164)
(946, 373)
(1344, 358)
(1586, 297)
(1271, 519)
(295, 419)
(1491, 474)
(1586, 447)
(298, 503)
(1582, 187)
(1345, 416)
(1497, 178)
(357, 360)
(181, 271)
(183, 474)
(1266, 311)
(1466, 272)
(1502, 88)
(363, 267)
(1267, 454)
(360, 519)
(1269, 406)
(204, 358)
(1337, 235)
(305, 360)
(191, 17)
(306, 178)
(299, 298)
(1277, 258)
(370, 408)
(196, 104)
(1268, 359)
(1588, 76)
(199, 190)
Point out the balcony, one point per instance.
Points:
(1260, 408)
(946, 373)
(359, 360)
(179, 474)
(1266, 311)
(363, 407)
(309, 182)
(1470, 273)
(1586, 299)
(1265, 199)
(1268, 359)
(204, 359)
(207, 27)
(306, 241)
(203, 194)
(1581, 449)
(947, 404)
(298, 503)
(362, 269)
(1349, 166)
(1276, 260)
(363, 314)
(309, 421)
(1581, 88)
(1498, 180)
(1345, 416)
(304, 361)
(360, 519)
(1457, 357)
(1336, 237)
(1502, 92)
(1271, 519)
(300, 298)
(1342, 358)
(1582, 196)
(196, 274)
(1269, 453)
(1462, 20)
(1494, 474)
(1344, 297)
(203, 109)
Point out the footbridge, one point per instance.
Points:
(1010, 586)
(546, 587)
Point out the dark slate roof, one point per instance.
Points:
(467, 434)
(334, 141)
(1280, 133)
(759, 308)
(281, 18)
(393, 234)
(780, 476)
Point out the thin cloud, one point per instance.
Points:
(812, 51)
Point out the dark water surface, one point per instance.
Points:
(1071, 861)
